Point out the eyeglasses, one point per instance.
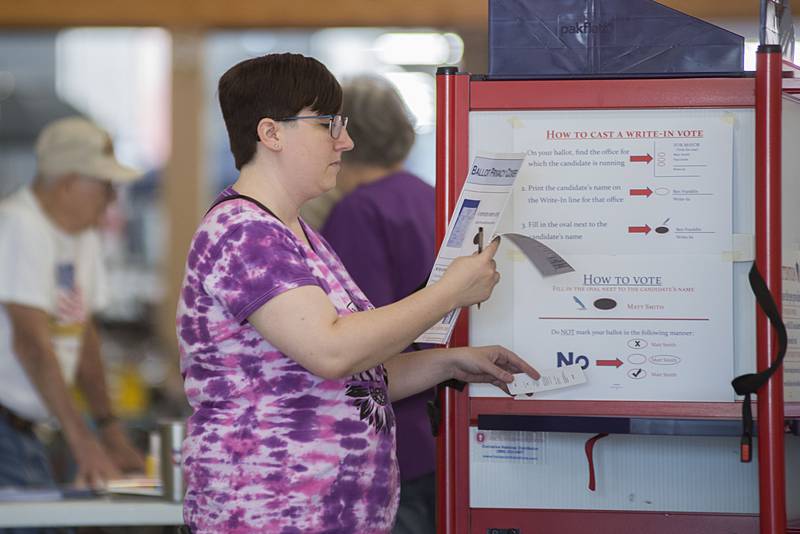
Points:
(336, 123)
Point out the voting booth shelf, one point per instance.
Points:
(660, 192)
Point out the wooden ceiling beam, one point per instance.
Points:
(304, 13)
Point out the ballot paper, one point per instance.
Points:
(550, 379)
(546, 260)
(480, 206)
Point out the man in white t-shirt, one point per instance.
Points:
(51, 281)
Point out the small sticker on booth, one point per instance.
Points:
(507, 446)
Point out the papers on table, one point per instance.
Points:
(136, 486)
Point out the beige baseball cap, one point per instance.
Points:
(77, 145)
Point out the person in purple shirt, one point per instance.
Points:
(383, 231)
(288, 368)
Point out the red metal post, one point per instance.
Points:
(768, 259)
(452, 116)
(445, 103)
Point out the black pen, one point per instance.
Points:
(480, 248)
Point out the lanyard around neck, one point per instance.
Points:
(263, 208)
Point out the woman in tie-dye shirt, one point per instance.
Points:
(287, 366)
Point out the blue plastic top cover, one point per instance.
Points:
(529, 38)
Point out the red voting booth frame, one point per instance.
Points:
(457, 95)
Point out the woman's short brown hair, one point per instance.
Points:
(275, 86)
(379, 122)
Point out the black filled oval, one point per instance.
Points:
(662, 230)
(605, 304)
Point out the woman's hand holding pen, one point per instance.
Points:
(472, 278)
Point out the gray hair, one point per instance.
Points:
(379, 122)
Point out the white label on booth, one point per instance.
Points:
(507, 446)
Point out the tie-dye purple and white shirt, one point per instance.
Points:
(271, 447)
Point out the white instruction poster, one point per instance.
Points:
(791, 318)
(639, 202)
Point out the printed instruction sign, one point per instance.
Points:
(639, 202)
(641, 329)
(791, 318)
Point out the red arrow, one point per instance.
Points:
(647, 158)
(640, 192)
(616, 362)
(639, 229)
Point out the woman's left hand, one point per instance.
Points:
(491, 365)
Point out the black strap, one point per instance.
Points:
(435, 407)
(247, 198)
(749, 384)
(260, 205)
